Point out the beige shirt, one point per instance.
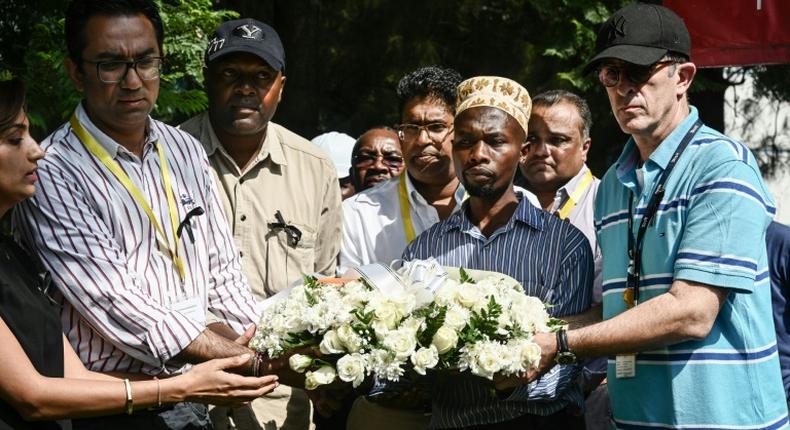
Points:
(290, 175)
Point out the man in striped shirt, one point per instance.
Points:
(127, 217)
(497, 229)
(681, 219)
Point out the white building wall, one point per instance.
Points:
(752, 121)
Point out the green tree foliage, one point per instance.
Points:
(38, 49)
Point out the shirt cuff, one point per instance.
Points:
(715, 278)
(172, 335)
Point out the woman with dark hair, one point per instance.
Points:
(43, 379)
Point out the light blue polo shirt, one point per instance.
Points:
(709, 228)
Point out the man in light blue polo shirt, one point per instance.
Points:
(681, 221)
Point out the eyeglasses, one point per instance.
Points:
(609, 74)
(113, 72)
(437, 131)
(393, 161)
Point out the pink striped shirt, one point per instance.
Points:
(121, 295)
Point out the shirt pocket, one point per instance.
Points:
(299, 254)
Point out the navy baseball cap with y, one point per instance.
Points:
(641, 34)
(247, 35)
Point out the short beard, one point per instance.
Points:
(483, 191)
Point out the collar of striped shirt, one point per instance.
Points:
(526, 213)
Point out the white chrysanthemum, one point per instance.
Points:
(385, 365)
(457, 317)
(531, 315)
(484, 358)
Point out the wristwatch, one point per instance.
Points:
(564, 354)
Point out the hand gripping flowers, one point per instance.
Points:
(483, 326)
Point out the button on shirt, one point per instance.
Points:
(373, 230)
(290, 175)
(124, 306)
(709, 228)
(553, 261)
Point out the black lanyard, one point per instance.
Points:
(635, 249)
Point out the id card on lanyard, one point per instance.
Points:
(101, 154)
(625, 364)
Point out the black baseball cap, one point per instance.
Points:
(247, 35)
(641, 34)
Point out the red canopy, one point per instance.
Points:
(736, 32)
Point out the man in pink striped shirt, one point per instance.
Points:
(128, 221)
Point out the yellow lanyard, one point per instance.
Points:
(574, 197)
(99, 152)
(405, 213)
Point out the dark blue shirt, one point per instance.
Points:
(778, 239)
(553, 261)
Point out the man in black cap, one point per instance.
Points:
(681, 220)
(279, 191)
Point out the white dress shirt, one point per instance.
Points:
(373, 230)
(581, 216)
(125, 307)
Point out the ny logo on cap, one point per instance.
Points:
(248, 31)
(616, 28)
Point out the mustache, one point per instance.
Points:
(479, 170)
(247, 103)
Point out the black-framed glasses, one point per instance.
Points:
(113, 72)
(437, 131)
(393, 160)
(610, 74)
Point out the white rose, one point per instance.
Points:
(351, 368)
(425, 358)
(381, 330)
(331, 343)
(446, 293)
(299, 363)
(456, 317)
(411, 325)
(444, 339)
(401, 343)
(323, 376)
(488, 361)
(349, 338)
(530, 354)
(470, 297)
(388, 313)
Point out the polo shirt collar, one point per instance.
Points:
(629, 159)
(272, 145)
(667, 148)
(109, 144)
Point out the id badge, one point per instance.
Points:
(625, 366)
(192, 308)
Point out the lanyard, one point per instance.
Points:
(405, 213)
(573, 198)
(99, 152)
(631, 293)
